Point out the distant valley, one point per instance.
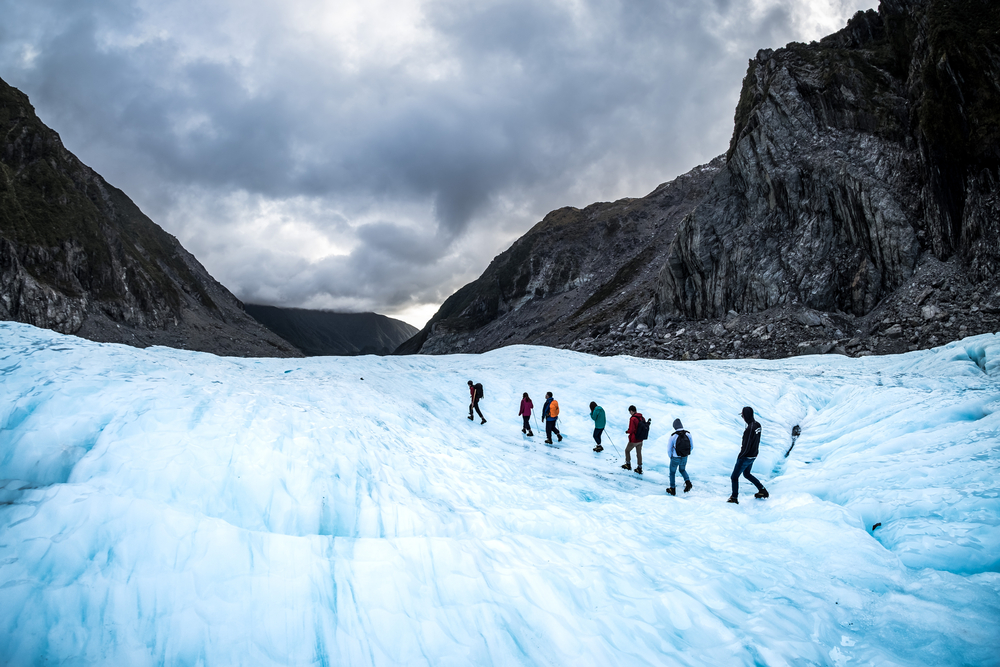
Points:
(325, 333)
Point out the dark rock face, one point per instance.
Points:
(850, 157)
(855, 212)
(79, 257)
(324, 333)
(570, 276)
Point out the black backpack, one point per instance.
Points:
(479, 390)
(682, 445)
(641, 429)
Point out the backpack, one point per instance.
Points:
(682, 445)
(479, 390)
(641, 429)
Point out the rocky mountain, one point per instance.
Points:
(571, 276)
(79, 257)
(325, 333)
(856, 211)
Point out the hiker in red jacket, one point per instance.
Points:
(637, 429)
(525, 413)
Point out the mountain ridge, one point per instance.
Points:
(856, 211)
(78, 256)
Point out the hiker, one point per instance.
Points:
(681, 445)
(600, 421)
(550, 411)
(638, 430)
(748, 453)
(476, 394)
(525, 413)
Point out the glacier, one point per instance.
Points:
(165, 507)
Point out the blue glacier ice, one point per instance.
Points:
(164, 507)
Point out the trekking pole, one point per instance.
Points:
(612, 444)
(536, 420)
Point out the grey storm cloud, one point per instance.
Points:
(377, 155)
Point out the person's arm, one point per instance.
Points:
(745, 444)
(671, 452)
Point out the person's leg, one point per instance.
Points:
(470, 410)
(478, 411)
(628, 453)
(673, 470)
(753, 480)
(682, 466)
(638, 454)
(549, 425)
(597, 435)
(735, 477)
(527, 426)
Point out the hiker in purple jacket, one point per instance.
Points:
(525, 413)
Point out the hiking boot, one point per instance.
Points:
(548, 442)
(470, 418)
(598, 449)
(638, 470)
(687, 485)
(530, 434)
(524, 430)
(732, 499)
(672, 491)
(559, 436)
(483, 422)
(761, 494)
(627, 466)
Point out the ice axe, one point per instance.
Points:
(796, 432)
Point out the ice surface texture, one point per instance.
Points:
(162, 507)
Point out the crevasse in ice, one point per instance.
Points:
(162, 507)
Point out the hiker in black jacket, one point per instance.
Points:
(476, 394)
(748, 454)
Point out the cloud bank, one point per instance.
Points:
(377, 154)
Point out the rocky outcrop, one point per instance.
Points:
(79, 257)
(572, 276)
(856, 212)
(849, 159)
(325, 333)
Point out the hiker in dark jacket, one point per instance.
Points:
(550, 412)
(525, 412)
(634, 440)
(748, 453)
(476, 393)
(600, 421)
(680, 447)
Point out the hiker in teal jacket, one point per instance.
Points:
(597, 414)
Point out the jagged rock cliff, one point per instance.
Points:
(856, 211)
(79, 257)
(570, 276)
(849, 159)
(325, 333)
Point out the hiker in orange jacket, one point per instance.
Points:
(550, 411)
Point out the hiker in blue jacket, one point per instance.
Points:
(600, 421)
(680, 447)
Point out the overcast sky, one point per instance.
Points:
(377, 154)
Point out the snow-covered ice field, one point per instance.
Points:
(162, 507)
